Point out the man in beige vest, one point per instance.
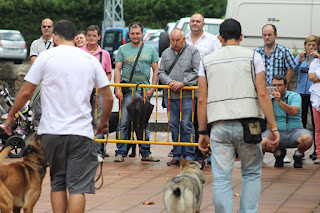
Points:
(232, 90)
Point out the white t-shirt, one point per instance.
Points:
(68, 75)
(258, 65)
(206, 44)
(39, 46)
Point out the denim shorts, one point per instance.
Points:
(73, 162)
(288, 138)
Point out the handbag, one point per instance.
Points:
(170, 69)
(125, 90)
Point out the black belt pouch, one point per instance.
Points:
(251, 130)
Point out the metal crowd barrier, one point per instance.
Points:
(168, 142)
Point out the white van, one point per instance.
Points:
(212, 26)
(295, 20)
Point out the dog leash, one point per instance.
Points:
(100, 176)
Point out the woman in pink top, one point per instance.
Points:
(80, 39)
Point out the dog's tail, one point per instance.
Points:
(176, 190)
(4, 153)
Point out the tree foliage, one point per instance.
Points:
(157, 13)
(26, 15)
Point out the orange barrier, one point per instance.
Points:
(168, 142)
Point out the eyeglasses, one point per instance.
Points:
(277, 85)
(46, 26)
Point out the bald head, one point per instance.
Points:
(196, 23)
(47, 29)
(269, 35)
(177, 32)
(197, 16)
(177, 39)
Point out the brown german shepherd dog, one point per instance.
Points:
(20, 182)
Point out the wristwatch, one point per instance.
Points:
(203, 132)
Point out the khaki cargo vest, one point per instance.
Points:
(231, 90)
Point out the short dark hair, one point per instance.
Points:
(65, 29)
(230, 29)
(273, 27)
(81, 32)
(136, 25)
(93, 28)
(280, 77)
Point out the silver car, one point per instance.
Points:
(12, 46)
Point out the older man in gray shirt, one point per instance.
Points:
(183, 73)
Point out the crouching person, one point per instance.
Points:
(287, 110)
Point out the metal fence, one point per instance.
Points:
(156, 107)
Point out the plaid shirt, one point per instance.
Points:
(278, 63)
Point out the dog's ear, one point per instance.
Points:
(30, 149)
(183, 163)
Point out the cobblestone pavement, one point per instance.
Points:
(127, 185)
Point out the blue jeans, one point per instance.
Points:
(99, 111)
(185, 127)
(225, 140)
(125, 128)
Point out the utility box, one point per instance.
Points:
(295, 20)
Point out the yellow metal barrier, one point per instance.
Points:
(131, 141)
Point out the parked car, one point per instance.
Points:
(113, 38)
(12, 46)
(152, 37)
(170, 26)
(211, 26)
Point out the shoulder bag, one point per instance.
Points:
(125, 90)
(170, 69)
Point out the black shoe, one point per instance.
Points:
(297, 161)
(313, 156)
(133, 152)
(279, 158)
(173, 162)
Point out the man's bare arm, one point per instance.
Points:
(117, 77)
(289, 76)
(202, 113)
(107, 104)
(32, 59)
(155, 78)
(23, 96)
(267, 107)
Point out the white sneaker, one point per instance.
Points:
(286, 159)
(100, 159)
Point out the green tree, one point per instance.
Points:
(26, 15)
